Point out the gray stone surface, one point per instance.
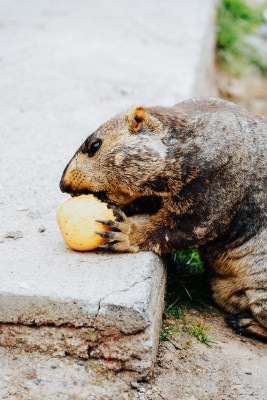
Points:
(65, 67)
(99, 312)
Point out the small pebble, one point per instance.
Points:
(83, 383)
(37, 381)
(2, 240)
(15, 358)
(14, 235)
(80, 363)
(65, 383)
(248, 373)
(135, 385)
(53, 366)
(86, 368)
(41, 228)
(149, 392)
(142, 390)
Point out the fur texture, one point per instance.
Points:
(205, 159)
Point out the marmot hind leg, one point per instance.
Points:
(239, 285)
(246, 301)
(245, 325)
(247, 307)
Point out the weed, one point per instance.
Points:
(165, 331)
(200, 333)
(98, 382)
(100, 377)
(186, 289)
(186, 284)
(188, 259)
(95, 366)
(101, 372)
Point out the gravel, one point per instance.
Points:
(135, 385)
(41, 228)
(14, 235)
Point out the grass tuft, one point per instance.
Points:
(165, 332)
(186, 289)
(200, 333)
(186, 284)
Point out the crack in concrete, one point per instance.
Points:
(116, 291)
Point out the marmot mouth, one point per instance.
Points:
(99, 195)
(148, 205)
(142, 205)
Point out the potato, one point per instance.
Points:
(76, 219)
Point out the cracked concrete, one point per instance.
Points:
(65, 68)
(106, 299)
(116, 318)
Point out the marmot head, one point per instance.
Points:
(127, 157)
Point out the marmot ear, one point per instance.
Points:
(136, 116)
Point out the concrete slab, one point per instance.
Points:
(96, 307)
(66, 67)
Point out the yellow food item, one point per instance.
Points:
(76, 219)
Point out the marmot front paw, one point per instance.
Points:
(121, 238)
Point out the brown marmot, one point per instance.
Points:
(205, 159)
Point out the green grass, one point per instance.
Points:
(186, 284)
(165, 332)
(101, 374)
(187, 289)
(235, 19)
(200, 333)
(188, 259)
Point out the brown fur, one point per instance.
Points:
(205, 159)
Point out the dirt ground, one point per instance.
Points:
(232, 368)
(249, 90)
(186, 369)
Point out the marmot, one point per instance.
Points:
(205, 159)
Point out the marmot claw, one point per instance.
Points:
(120, 238)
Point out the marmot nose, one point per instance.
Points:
(63, 186)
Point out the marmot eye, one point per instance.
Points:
(93, 147)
